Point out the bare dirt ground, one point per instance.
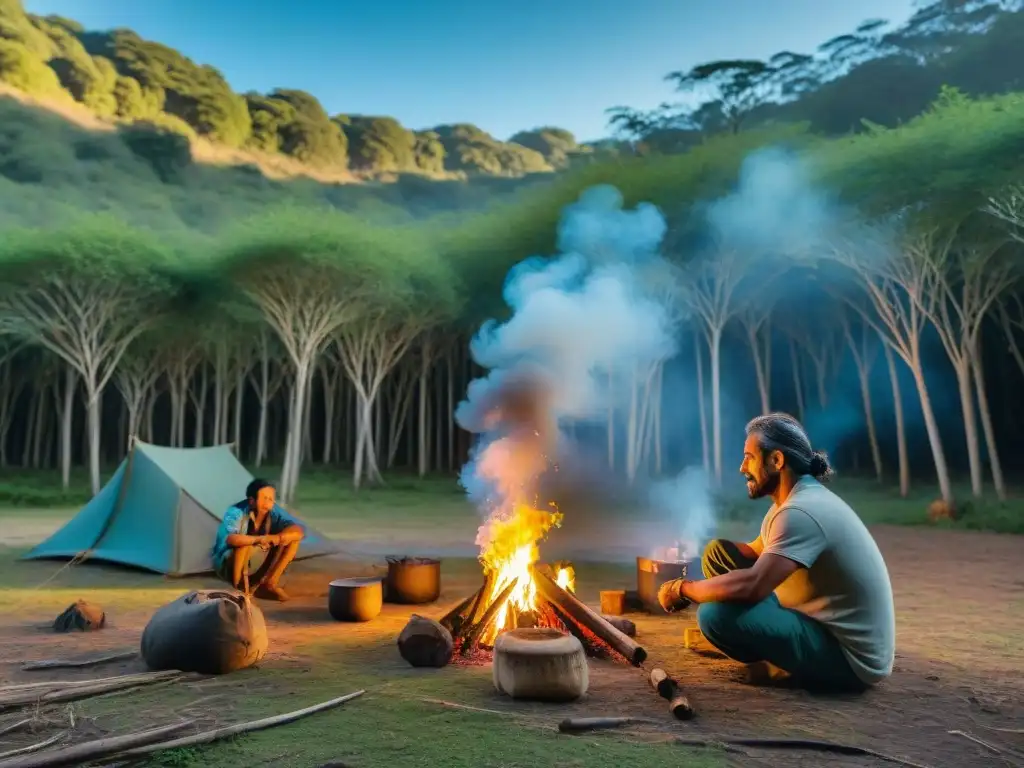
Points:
(959, 666)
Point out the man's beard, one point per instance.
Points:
(758, 489)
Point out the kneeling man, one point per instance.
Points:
(809, 598)
(257, 521)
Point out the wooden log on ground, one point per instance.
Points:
(425, 643)
(590, 619)
(584, 724)
(472, 636)
(667, 688)
(33, 747)
(78, 663)
(625, 626)
(80, 754)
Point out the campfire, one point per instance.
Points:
(518, 592)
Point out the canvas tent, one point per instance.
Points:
(160, 511)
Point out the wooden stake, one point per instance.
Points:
(472, 636)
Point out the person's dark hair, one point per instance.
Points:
(781, 432)
(252, 490)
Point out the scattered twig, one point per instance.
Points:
(78, 663)
(21, 724)
(217, 734)
(32, 747)
(800, 744)
(468, 708)
(86, 752)
(980, 742)
(1014, 731)
(71, 683)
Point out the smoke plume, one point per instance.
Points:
(580, 323)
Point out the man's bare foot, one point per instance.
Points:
(271, 592)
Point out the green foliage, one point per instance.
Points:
(20, 68)
(473, 150)
(429, 152)
(309, 135)
(166, 151)
(197, 94)
(379, 143)
(556, 145)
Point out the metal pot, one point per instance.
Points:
(356, 599)
(413, 580)
(650, 575)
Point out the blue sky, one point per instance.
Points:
(504, 66)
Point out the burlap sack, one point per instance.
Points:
(210, 632)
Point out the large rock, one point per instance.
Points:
(425, 643)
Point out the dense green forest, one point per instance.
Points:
(148, 294)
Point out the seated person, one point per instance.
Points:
(808, 599)
(257, 521)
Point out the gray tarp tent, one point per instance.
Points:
(160, 511)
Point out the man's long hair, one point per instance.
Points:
(781, 432)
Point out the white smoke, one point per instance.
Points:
(580, 320)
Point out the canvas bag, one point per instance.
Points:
(211, 632)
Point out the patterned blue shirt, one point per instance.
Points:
(237, 519)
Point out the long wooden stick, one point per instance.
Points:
(79, 754)
(21, 724)
(39, 695)
(795, 744)
(582, 724)
(447, 621)
(78, 663)
(227, 731)
(81, 683)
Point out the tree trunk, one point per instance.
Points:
(869, 419)
(239, 410)
(93, 418)
(964, 384)
(705, 442)
(934, 438)
(798, 387)
(67, 421)
(200, 404)
(715, 340)
(901, 431)
(760, 365)
(656, 415)
(977, 367)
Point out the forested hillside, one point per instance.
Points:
(119, 78)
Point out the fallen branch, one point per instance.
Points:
(206, 737)
(980, 742)
(468, 708)
(86, 752)
(17, 726)
(39, 695)
(72, 683)
(33, 747)
(78, 663)
(583, 724)
(797, 744)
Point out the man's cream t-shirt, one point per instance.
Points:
(844, 583)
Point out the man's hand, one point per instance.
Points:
(266, 542)
(670, 596)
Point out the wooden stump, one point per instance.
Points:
(425, 643)
(81, 616)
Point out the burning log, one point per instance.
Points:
(590, 620)
(472, 635)
(453, 620)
